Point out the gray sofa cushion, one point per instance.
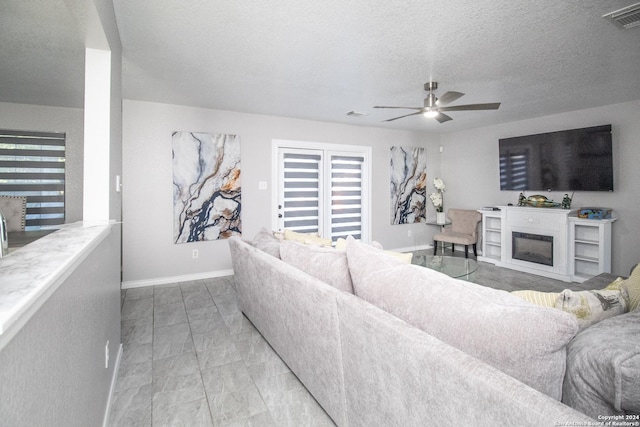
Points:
(603, 367)
(297, 315)
(326, 264)
(523, 340)
(267, 242)
(398, 375)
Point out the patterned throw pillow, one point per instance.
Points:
(632, 287)
(591, 307)
(544, 299)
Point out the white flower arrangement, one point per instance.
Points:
(436, 198)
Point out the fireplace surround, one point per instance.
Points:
(571, 249)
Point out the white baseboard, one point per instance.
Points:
(175, 279)
(112, 389)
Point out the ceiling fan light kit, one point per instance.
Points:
(434, 106)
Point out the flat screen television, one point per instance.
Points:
(568, 160)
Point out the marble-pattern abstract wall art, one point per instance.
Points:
(206, 186)
(408, 185)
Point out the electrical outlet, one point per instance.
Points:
(409, 233)
(106, 355)
(195, 254)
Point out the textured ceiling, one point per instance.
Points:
(320, 59)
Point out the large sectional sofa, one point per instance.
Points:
(379, 342)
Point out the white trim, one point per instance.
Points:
(175, 279)
(112, 389)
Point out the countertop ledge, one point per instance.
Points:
(29, 275)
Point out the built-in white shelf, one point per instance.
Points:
(491, 236)
(590, 247)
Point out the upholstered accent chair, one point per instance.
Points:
(462, 231)
(14, 209)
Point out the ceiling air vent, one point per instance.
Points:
(627, 17)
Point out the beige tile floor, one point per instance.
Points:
(191, 358)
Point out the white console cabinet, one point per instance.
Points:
(550, 242)
(589, 247)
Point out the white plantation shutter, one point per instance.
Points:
(323, 189)
(32, 164)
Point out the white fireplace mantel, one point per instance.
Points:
(498, 227)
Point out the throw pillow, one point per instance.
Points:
(326, 264)
(298, 237)
(317, 241)
(522, 340)
(544, 299)
(632, 287)
(341, 243)
(590, 307)
(405, 257)
(267, 242)
(603, 368)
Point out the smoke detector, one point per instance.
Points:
(627, 17)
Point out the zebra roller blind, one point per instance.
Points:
(302, 185)
(346, 196)
(32, 164)
(322, 190)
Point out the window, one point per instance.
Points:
(322, 188)
(32, 164)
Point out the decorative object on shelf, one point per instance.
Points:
(522, 199)
(538, 201)
(437, 199)
(594, 213)
(566, 201)
(206, 187)
(408, 185)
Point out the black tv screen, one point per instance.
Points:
(569, 160)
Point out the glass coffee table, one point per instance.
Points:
(457, 267)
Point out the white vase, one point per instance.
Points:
(441, 218)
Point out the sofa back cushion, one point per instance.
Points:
(326, 264)
(603, 368)
(267, 242)
(523, 340)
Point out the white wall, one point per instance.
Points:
(149, 255)
(54, 119)
(470, 170)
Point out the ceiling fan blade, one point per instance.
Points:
(448, 97)
(406, 108)
(443, 118)
(490, 106)
(407, 115)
